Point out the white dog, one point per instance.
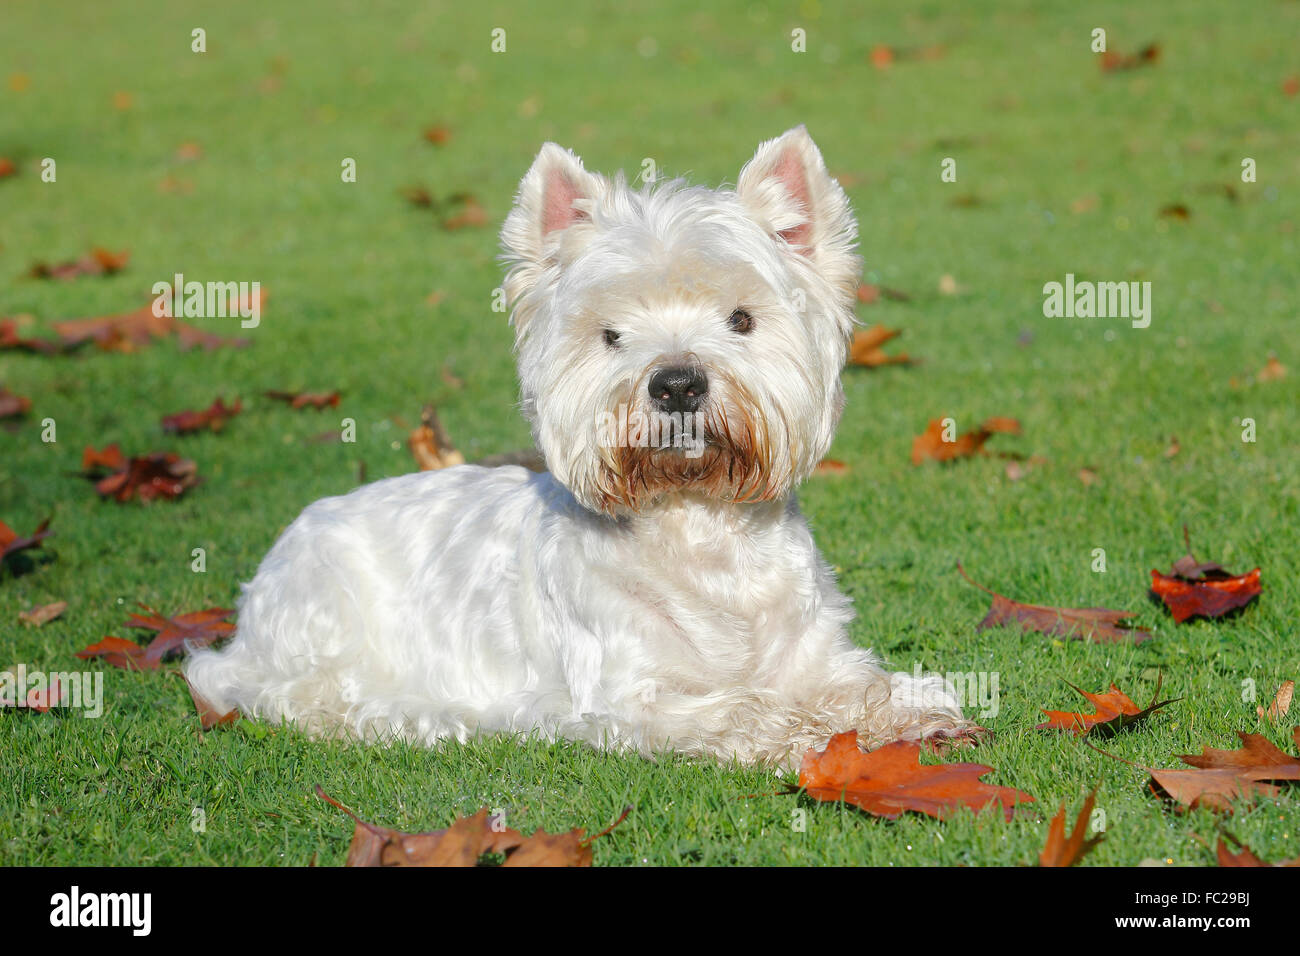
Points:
(658, 589)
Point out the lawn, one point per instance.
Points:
(1061, 168)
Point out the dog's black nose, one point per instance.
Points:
(678, 389)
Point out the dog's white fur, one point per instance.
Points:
(638, 599)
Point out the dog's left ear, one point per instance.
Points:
(787, 189)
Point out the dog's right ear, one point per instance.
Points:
(556, 193)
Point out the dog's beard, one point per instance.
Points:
(721, 452)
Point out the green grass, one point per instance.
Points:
(1017, 99)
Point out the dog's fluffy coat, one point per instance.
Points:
(633, 597)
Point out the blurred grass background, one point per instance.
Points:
(1062, 167)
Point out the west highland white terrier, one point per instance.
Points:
(679, 353)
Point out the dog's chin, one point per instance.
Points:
(634, 479)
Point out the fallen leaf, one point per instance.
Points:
(40, 699)
(1281, 704)
(865, 349)
(471, 215)
(1114, 712)
(1203, 590)
(42, 613)
(1098, 625)
(1088, 476)
(1113, 60)
(99, 262)
(1176, 211)
(831, 466)
(430, 445)
(11, 542)
(1272, 370)
(870, 294)
(438, 135)
(1246, 857)
(209, 716)
(197, 628)
(7, 167)
(316, 400)
(1060, 850)
(188, 152)
(1222, 776)
(930, 444)
(882, 56)
(13, 406)
(891, 780)
(1174, 447)
(1291, 85)
(465, 843)
(10, 339)
(213, 417)
(145, 477)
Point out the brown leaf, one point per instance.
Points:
(891, 780)
(213, 417)
(1208, 598)
(930, 444)
(1221, 776)
(430, 445)
(317, 400)
(117, 652)
(11, 542)
(1096, 624)
(465, 843)
(146, 477)
(870, 294)
(40, 699)
(1246, 857)
(1113, 60)
(471, 215)
(831, 466)
(7, 167)
(1281, 702)
(99, 262)
(438, 135)
(1176, 211)
(209, 717)
(1060, 850)
(866, 351)
(197, 628)
(42, 613)
(10, 339)
(1114, 712)
(1272, 370)
(13, 406)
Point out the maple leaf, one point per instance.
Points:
(866, 351)
(1114, 712)
(11, 542)
(891, 780)
(10, 339)
(1060, 850)
(317, 400)
(98, 262)
(13, 406)
(198, 628)
(42, 614)
(1246, 856)
(930, 444)
(430, 444)
(465, 843)
(1194, 588)
(146, 477)
(214, 417)
(1096, 624)
(40, 699)
(1221, 776)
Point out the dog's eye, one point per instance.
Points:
(741, 322)
(611, 338)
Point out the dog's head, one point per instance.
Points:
(677, 338)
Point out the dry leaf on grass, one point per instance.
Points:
(145, 477)
(1096, 624)
(1281, 704)
(891, 780)
(99, 262)
(866, 351)
(1060, 850)
(198, 628)
(209, 716)
(1194, 588)
(317, 400)
(931, 445)
(42, 614)
(213, 417)
(1114, 712)
(1246, 856)
(13, 406)
(1221, 776)
(831, 466)
(11, 542)
(1113, 60)
(465, 843)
